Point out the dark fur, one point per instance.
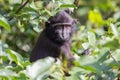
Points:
(48, 43)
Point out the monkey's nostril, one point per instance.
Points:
(63, 32)
(62, 35)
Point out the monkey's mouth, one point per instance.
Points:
(62, 38)
(61, 41)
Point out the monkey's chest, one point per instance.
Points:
(51, 51)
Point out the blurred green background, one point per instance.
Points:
(98, 30)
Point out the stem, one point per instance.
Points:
(18, 10)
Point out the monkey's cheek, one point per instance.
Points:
(67, 36)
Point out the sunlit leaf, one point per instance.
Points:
(90, 68)
(80, 70)
(91, 39)
(114, 29)
(39, 4)
(32, 5)
(4, 23)
(85, 45)
(68, 5)
(7, 73)
(40, 68)
(95, 17)
(16, 57)
(57, 75)
(113, 44)
(31, 1)
(68, 1)
(116, 55)
(104, 53)
(86, 59)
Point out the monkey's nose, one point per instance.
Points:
(63, 32)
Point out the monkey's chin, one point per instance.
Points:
(65, 40)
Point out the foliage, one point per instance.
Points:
(98, 31)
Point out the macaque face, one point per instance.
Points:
(63, 32)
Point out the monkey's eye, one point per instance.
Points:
(63, 26)
(67, 26)
(59, 26)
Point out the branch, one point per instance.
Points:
(113, 58)
(76, 3)
(22, 5)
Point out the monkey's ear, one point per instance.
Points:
(68, 11)
(75, 21)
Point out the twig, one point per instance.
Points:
(118, 74)
(113, 58)
(76, 2)
(118, 78)
(22, 5)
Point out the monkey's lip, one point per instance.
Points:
(63, 39)
(57, 24)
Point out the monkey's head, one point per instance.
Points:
(59, 28)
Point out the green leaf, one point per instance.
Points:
(91, 39)
(67, 5)
(15, 57)
(86, 45)
(57, 75)
(79, 69)
(114, 29)
(90, 68)
(95, 17)
(84, 60)
(32, 5)
(104, 52)
(113, 44)
(116, 55)
(7, 73)
(31, 1)
(4, 23)
(114, 60)
(41, 68)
